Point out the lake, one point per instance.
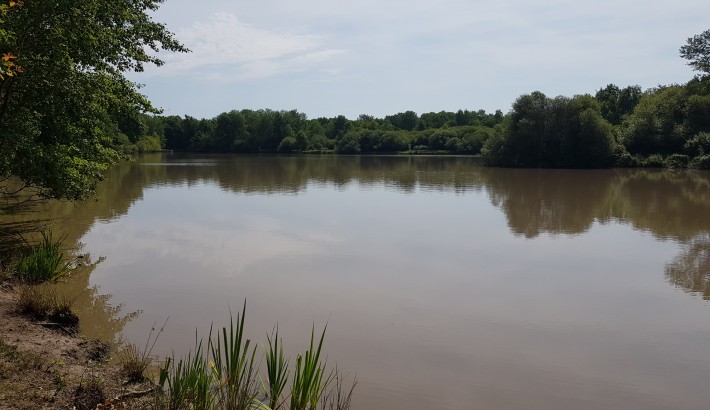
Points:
(443, 284)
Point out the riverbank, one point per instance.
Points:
(43, 366)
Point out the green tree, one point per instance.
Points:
(697, 52)
(552, 133)
(58, 116)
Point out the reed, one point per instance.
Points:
(233, 366)
(309, 380)
(225, 375)
(276, 370)
(188, 381)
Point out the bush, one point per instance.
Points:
(676, 161)
(700, 162)
(654, 161)
(288, 144)
(698, 145)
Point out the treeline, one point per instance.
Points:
(268, 131)
(666, 126)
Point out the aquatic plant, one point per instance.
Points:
(188, 381)
(226, 375)
(308, 379)
(42, 262)
(233, 366)
(276, 370)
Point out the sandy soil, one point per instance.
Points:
(46, 367)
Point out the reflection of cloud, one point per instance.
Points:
(224, 246)
(224, 48)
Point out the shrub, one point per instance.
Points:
(653, 161)
(676, 161)
(700, 162)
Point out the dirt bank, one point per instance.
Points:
(43, 366)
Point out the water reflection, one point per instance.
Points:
(667, 204)
(690, 270)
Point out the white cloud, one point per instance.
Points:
(224, 48)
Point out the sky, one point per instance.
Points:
(350, 57)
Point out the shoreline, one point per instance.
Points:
(45, 367)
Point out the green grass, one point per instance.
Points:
(42, 262)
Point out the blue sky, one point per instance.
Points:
(331, 57)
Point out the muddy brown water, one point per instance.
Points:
(444, 284)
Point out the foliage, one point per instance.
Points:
(248, 131)
(618, 102)
(676, 161)
(556, 133)
(700, 162)
(42, 262)
(698, 145)
(58, 118)
(697, 52)
(654, 161)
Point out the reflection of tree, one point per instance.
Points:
(98, 318)
(554, 201)
(690, 270)
(668, 204)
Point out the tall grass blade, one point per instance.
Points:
(276, 370)
(309, 383)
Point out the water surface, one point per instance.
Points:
(444, 284)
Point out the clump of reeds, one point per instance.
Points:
(225, 375)
(42, 262)
(309, 380)
(276, 370)
(233, 366)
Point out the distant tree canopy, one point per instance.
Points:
(553, 133)
(63, 98)
(263, 131)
